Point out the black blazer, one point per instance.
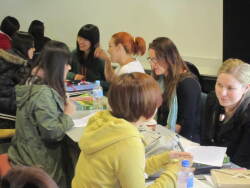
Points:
(233, 134)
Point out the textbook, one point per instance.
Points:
(231, 178)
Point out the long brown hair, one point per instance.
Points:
(54, 56)
(166, 51)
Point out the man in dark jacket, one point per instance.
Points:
(12, 71)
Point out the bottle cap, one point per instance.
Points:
(97, 82)
(185, 163)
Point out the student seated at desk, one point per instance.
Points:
(122, 48)
(43, 114)
(112, 149)
(180, 110)
(85, 65)
(227, 113)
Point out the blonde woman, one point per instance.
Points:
(227, 120)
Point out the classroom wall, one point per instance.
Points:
(194, 25)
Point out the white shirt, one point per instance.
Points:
(134, 66)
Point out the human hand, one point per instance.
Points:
(100, 53)
(180, 155)
(69, 107)
(79, 77)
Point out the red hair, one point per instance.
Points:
(135, 46)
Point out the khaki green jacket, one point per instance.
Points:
(40, 126)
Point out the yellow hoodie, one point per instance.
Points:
(112, 155)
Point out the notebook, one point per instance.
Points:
(231, 178)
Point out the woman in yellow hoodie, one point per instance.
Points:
(112, 149)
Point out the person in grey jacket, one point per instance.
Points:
(43, 115)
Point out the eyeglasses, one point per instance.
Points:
(153, 60)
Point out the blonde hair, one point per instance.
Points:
(238, 69)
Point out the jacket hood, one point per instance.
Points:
(26, 92)
(23, 94)
(8, 57)
(104, 130)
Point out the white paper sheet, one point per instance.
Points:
(82, 122)
(187, 143)
(209, 155)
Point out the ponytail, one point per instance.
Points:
(139, 46)
(134, 46)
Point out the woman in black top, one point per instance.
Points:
(85, 66)
(227, 120)
(180, 110)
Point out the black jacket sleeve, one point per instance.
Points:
(189, 96)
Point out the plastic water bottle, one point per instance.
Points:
(98, 95)
(185, 178)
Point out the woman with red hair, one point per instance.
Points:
(122, 49)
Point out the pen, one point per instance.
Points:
(179, 143)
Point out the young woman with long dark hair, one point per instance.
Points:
(43, 114)
(85, 65)
(180, 110)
